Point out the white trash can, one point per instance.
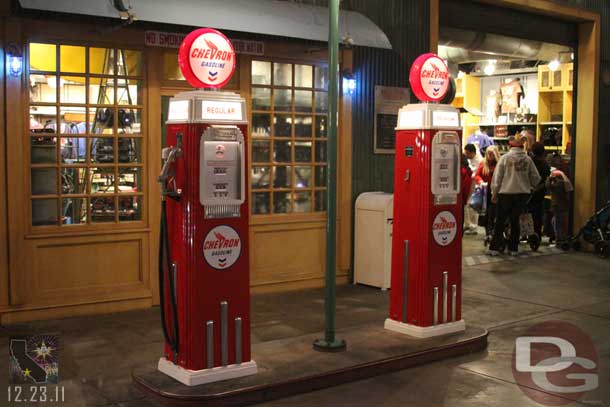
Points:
(373, 239)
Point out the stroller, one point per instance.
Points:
(596, 231)
(526, 229)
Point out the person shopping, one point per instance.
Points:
(484, 174)
(513, 180)
(536, 205)
(470, 215)
(560, 187)
(465, 185)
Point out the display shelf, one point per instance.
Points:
(555, 101)
(508, 124)
(551, 81)
(468, 97)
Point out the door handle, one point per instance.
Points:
(408, 175)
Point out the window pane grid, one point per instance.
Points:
(86, 156)
(285, 160)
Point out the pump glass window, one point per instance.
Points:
(85, 135)
(288, 138)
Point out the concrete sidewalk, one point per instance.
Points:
(506, 297)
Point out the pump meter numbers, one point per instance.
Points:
(221, 247)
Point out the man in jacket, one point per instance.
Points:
(514, 179)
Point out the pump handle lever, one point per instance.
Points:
(169, 155)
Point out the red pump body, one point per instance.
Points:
(427, 233)
(208, 230)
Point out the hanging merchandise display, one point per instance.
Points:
(512, 94)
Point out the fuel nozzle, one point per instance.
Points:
(169, 156)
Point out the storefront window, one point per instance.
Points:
(172, 72)
(288, 138)
(85, 135)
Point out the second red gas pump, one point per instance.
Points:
(426, 276)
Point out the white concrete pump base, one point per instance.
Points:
(424, 332)
(215, 374)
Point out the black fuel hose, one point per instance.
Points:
(166, 264)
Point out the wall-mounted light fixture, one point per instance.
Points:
(349, 82)
(14, 60)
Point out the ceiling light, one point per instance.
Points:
(554, 64)
(489, 69)
(52, 82)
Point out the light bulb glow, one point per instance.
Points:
(489, 69)
(554, 65)
(349, 85)
(15, 65)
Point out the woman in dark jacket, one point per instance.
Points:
(536, 206)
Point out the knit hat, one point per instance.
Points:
(515, 141)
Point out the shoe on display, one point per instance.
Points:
(470, 231)
(492, 252)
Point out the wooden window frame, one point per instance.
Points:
(313, 189)
(117, 224)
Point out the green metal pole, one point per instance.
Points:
(330, 343)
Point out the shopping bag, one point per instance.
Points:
(476, 199)
(526, 224)
(485, 192)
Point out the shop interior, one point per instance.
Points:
(509, 86)
(85, 136)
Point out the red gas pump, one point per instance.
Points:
(426, 276)
(204, 262)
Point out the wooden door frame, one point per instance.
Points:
(4, 288)
(586, 136)
(158, 88)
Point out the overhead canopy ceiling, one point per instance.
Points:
(471, 15)
(271, 17)
(456, 45)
